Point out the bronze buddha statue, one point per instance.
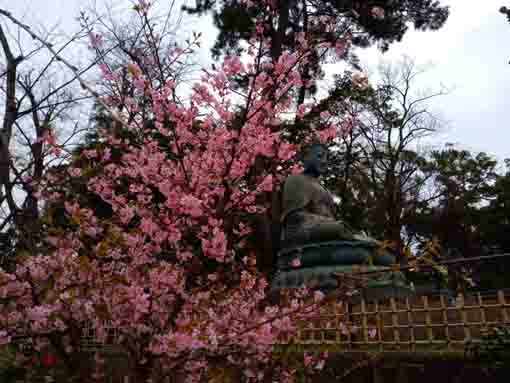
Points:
(308, 207)
(312, 236)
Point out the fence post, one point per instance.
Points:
(339, 314)
(483, 317)
(348, 322)
(376, 374)
(364, 321)
(394, 321)
(463, 316)
(410, 321)
(428, 319)
(502, 303)
(444, 309)
(379, 326)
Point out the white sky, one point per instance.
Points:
(470, 54)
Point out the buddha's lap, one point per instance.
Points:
(328, 231)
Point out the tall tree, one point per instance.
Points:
(366, 24)
(506, 12)
(41, 106)
(493, 228)
(167, 268)
(383, 169)
(332, 25)
(467, 216)
(44, 105)
(495, 221)
(465, 183)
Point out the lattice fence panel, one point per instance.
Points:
(413, 323)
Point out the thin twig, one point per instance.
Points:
(358, 366)
(115, 116)
(450, 262)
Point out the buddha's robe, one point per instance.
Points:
(309, 213)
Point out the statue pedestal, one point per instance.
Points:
(315, 265)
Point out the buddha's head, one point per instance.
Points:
(315, 159)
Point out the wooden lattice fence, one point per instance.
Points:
(415, 323)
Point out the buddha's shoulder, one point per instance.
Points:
(299, 179)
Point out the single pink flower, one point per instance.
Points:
(96, 40)
(307, 359)
(341, 47)
(377, 12)
(4, 338)
(318, 296)
(360, 80)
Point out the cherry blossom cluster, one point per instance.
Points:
(377, 12)
(169, 267)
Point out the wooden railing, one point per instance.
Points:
(417, 323)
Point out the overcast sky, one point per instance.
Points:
(470, 54)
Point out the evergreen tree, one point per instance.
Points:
(360, 23)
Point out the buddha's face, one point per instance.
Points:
(316, 160)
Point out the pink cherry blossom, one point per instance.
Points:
(170, 267)
(377, 12)
(318, 296)
(360, 80)
(4, 338)
(107, 73)
(96, 40)
(341, 47)
(267, 184)
(307, 359)
(325, 115)
(74, 172)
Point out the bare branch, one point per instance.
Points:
(114, 115)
